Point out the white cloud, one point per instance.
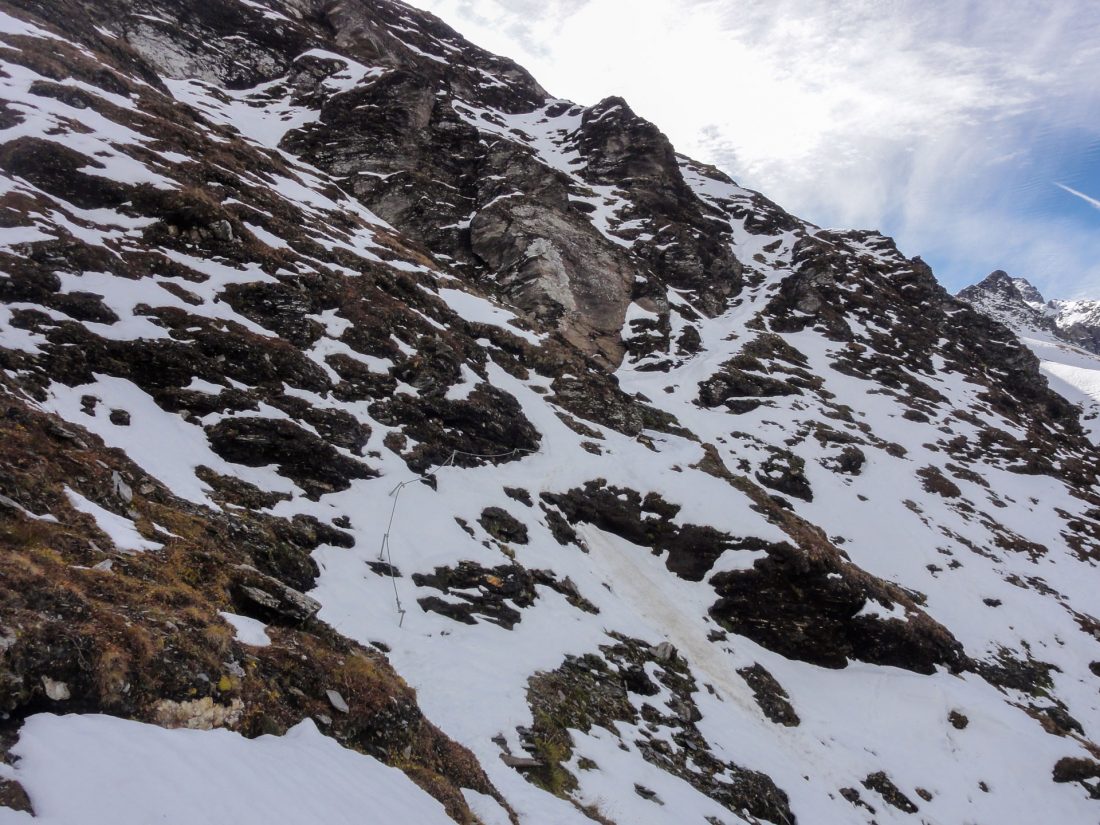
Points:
(908, 116)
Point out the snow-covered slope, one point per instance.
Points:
(98, 769)
(1079, 321)
(670, 507)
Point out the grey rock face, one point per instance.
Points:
(269, 598)
(559, 271)
(572, 213)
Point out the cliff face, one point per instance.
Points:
(351, 380)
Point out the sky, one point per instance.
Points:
(967, 129)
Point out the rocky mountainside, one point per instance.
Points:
(1079, 321)
(386, 437)
(1012, 301)
(1015, 302)
(1065, 335)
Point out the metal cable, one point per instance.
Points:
(384, 553)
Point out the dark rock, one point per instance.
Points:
(646, 793)
(503, 526)
(1057, 720)
(1079, 769)
(852, 795)
(1076, 769)
(237, 491)
(627, 149)
(520, 495)
(850, 461)
(521, 762)
(490, 422)
(648, 521)
(1010, 671)
(561, 529)
(268, 599)
(280, 307)
(381, 568)
(500, 591)
(637, 681)
(731, 383)
(786, 472)
(890, 792)
(14, 797)
(58, 169)
(338, 427)
(606, 404)
(958, 720)
(934, 481)
(83, 306)
(309, 461)
(770, 695)
(805, 607)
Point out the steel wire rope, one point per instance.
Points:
(384, 550)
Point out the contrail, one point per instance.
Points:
(1093, 202)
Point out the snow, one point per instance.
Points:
(99, 770)
(478, 310)
(121, 530)
(1071, 372)
(200, 385)
(1084, 378)
(10, 25)
(353, 74)
(262, 235)
(1069, 313)
(15, 505)
(253, 113)
(485, 808)
(269, 13)
(247, 630)
(164, 444)
(15, 338)
(875, 610)
(101, 140)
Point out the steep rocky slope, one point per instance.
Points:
(1064, 335)
(341, 362)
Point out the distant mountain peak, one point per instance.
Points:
(1017, 303)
